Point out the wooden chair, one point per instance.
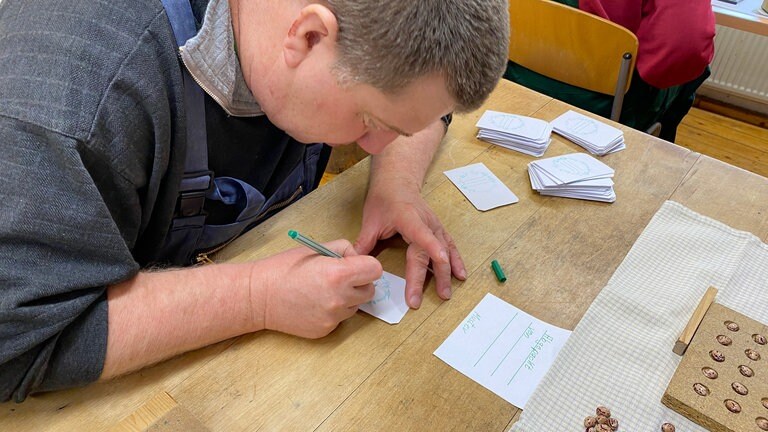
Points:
(574, 47)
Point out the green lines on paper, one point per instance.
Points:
(494, 341)
(513, 347)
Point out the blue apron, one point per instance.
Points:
(190, 239)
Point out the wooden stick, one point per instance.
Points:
(693, 324)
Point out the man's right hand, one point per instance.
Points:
(157, 315)
(305, 294)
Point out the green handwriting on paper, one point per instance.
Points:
(535, 348)
(496, 340)
(383, 291)
(471, 322)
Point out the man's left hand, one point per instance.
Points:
(391, 211)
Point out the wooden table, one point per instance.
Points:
(746, 16)
(367, 375)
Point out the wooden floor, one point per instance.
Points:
(737, 142)
(740, 143)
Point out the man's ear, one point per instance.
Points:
(315, 25)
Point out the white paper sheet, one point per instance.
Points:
(503, 349)
(481, 187)
(388, 302)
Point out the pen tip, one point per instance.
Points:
(293, 234)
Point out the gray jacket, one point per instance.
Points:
(92, 150)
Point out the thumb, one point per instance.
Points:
(366, 240)
(342, 247)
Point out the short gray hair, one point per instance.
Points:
(389, 43)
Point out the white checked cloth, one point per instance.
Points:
(620, 354)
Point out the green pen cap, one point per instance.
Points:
(499, 272)
(293, 234)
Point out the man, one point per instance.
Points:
(102, 172)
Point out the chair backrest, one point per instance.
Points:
(572, 46)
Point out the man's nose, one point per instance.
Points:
(375, 141)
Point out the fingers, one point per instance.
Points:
(416, 264)
(360, 270)
(457, 263)
(342, 247)
(361, 294)
(427, 239)
(366, 240)
(418, 260)
(319, 292)
(352, 271)
(442, 271)
(357, 272)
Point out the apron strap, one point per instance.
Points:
(197, 177)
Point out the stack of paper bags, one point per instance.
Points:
(576, 175)
(597, 137)
(524, 134)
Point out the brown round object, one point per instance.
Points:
(613, 423)
(603, 411)
(590, 421)
(717, 356)
(591, 429)
(732, 406)
(701, 389)
(764, 401)
(709, 372)
(602, 428)
(602, 420)
(752, 354)
(739, 388)
(732, 326)
(759, 339)
(746, 371)
(667, 427)
(762, 423)
(724, 340)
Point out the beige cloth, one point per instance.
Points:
(620, 354)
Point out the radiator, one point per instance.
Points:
(740, 66)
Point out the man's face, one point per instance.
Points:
(296, 86)
(318, 109)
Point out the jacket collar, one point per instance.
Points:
(212, 61)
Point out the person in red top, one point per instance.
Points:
(676, 38)
(676, 45)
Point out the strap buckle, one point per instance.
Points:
(191, 203)
(194, 188)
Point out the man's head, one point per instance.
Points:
(389, 44)
(369, 70)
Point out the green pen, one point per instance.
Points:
(308, 242)
(499, 272)
(317, 247)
